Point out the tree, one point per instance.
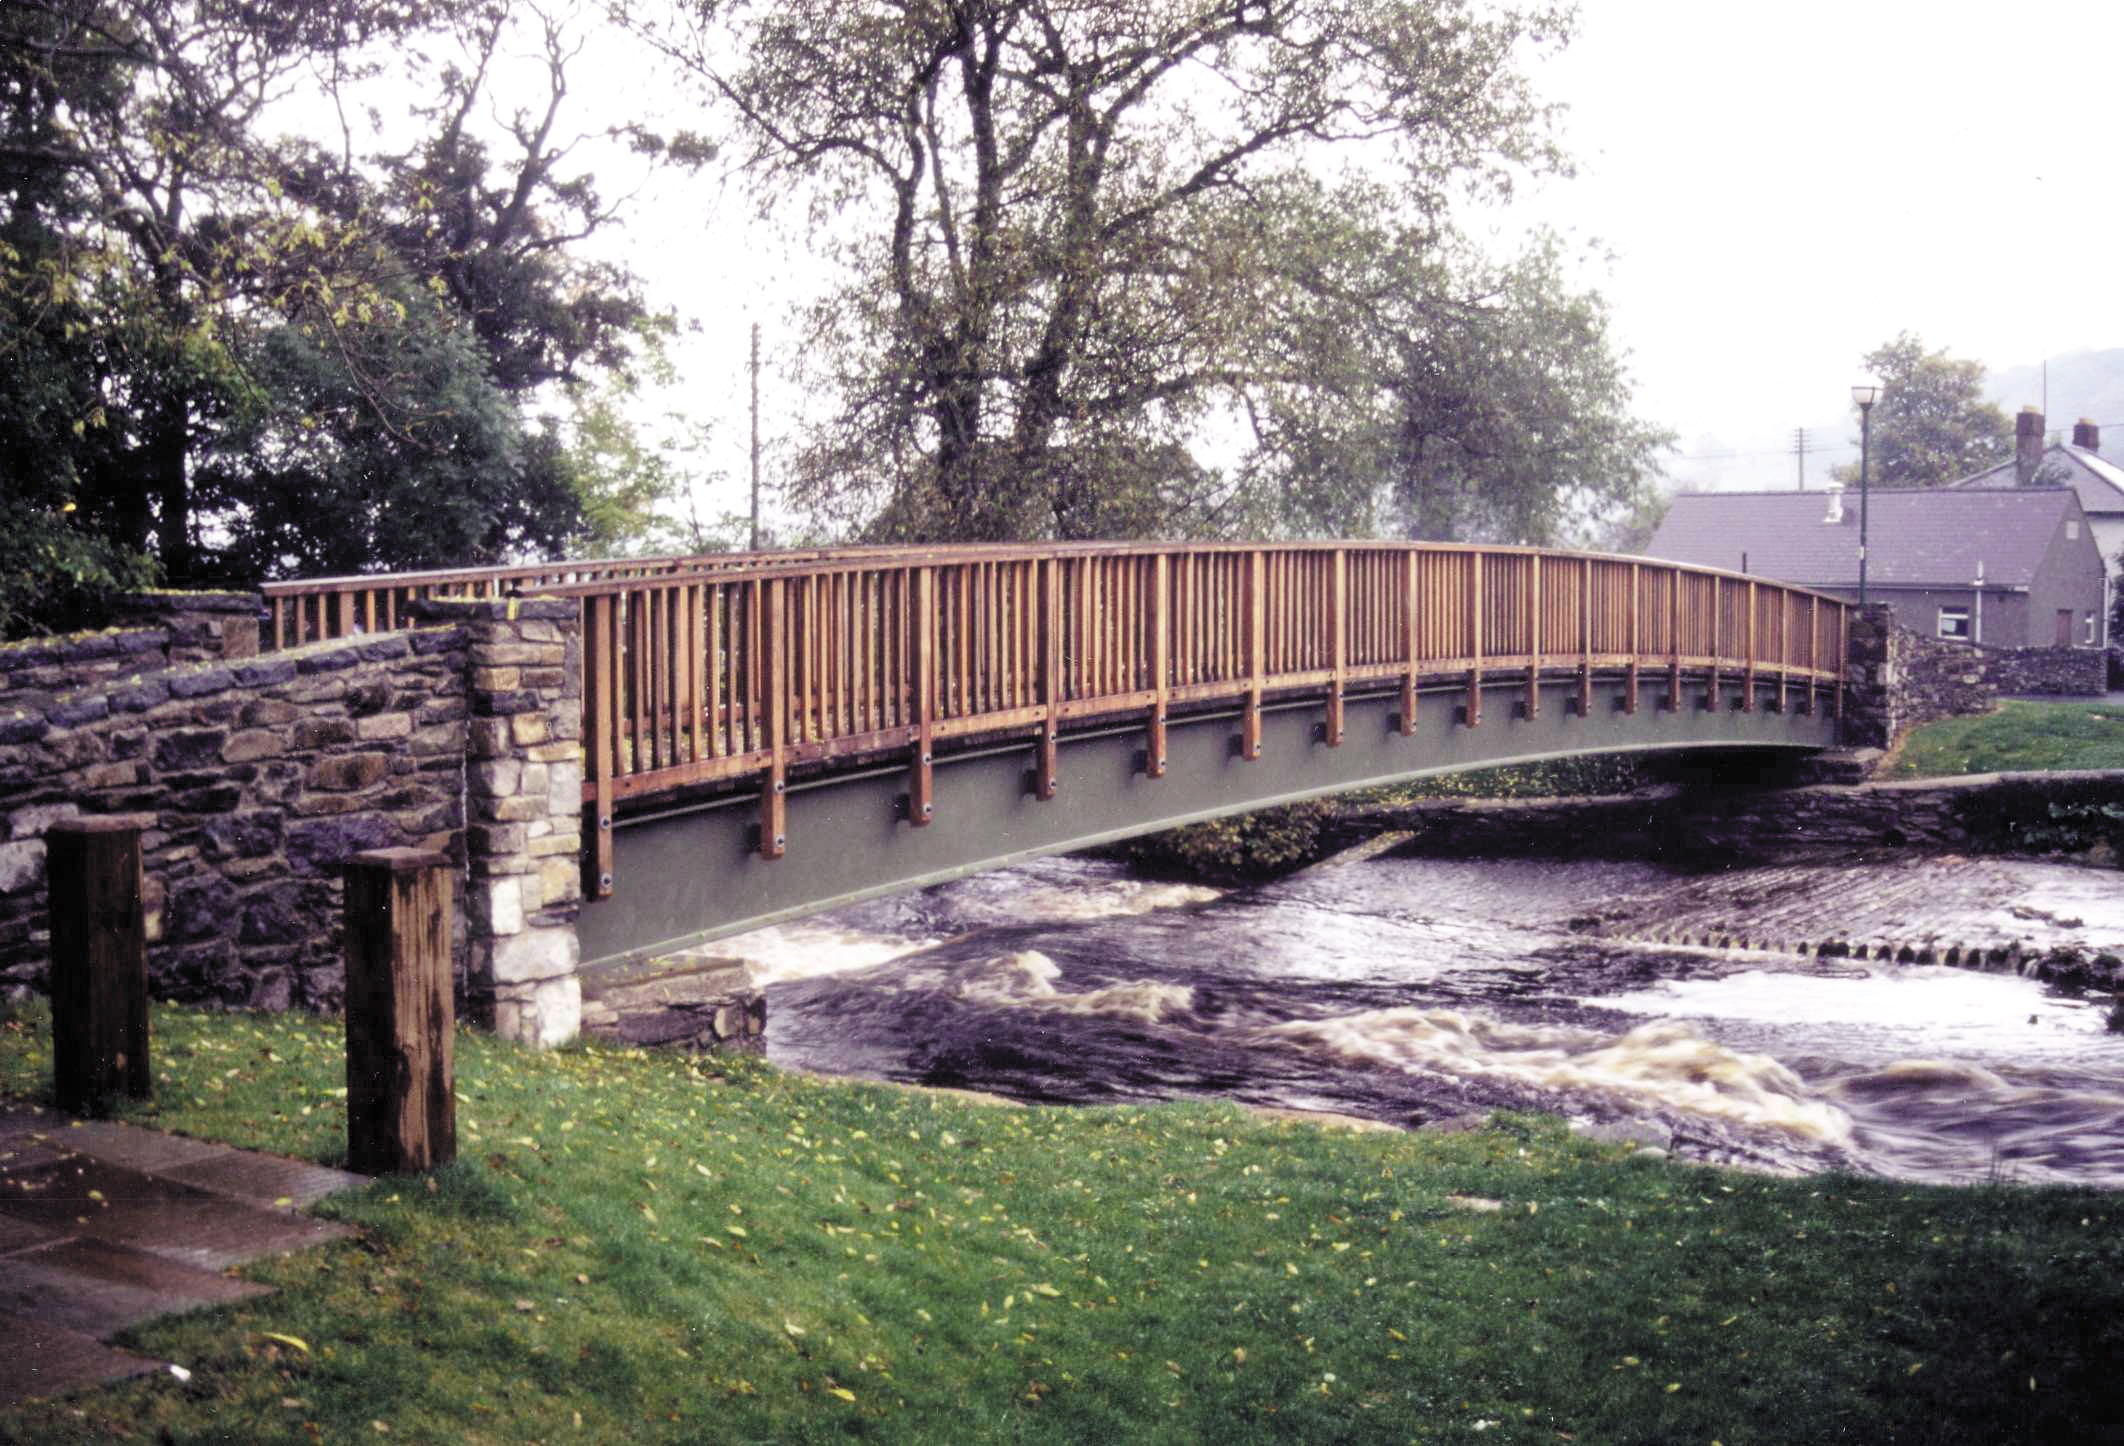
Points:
(1932, 425)
(1407, 384)
(1072, 222)
(306, 356)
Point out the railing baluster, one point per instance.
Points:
(771, 602)
(1472, 709)
(1636, 647)
(600, 728)
(1256, 652)
(1054, 683)
(1409, 620)
(1339, 627)
(1160, 621)
(1749, 642)
(921, 799)
(1534, 636)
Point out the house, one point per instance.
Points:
(2008, 568)
(2097, 481)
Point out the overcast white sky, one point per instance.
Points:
(1778, 187)
(1784, 187)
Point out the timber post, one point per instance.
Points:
(99, 964)
(401, 1100)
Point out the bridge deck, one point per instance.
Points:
(767, 676)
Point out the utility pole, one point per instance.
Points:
(1799, 450)
(755, 545)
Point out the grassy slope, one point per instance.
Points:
(2021, 736)
(638, 1247)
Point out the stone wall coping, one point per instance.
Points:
(242, 671)
(545, 609)
(158, 600)
(59, 646)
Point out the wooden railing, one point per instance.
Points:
(719, 669)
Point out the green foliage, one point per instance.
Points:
(1417, 388)
(1932, 424)
(1069, 276)
(1240, 846)
(246, 354)
(1587, 776)
(677, 1250)
(54, 576)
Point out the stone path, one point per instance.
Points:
(103, 1226)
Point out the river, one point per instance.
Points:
(1427, 992)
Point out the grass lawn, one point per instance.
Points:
(2021, 736)
(639, 1247)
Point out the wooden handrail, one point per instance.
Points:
(733, 669)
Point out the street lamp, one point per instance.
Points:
(1865, 393)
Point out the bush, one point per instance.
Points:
(1242, 847)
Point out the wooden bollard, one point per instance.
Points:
(99, 963)
(401, 1079)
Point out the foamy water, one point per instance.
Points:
(1414, 990)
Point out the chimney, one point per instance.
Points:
(1836, 504)
(2087, 435)
(2027, 445)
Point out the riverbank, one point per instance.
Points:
(643, 1246)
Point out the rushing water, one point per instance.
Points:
(1419, 991)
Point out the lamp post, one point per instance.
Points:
(1865, 393)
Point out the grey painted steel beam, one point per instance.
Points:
(691, 875)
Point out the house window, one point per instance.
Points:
(2072, 531)
(1954, 623)
(2090, 639)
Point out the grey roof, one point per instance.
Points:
(2098, 481)
(1917, 538)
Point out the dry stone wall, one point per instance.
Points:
(256, 777)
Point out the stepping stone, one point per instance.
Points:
(166, 1217)
(45, 1359)
(100, 1289)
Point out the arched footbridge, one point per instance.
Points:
(768, 735)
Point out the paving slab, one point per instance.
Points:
(18, 1235)
(263, 1180)
(123, 1206)
(45, 1359)
(100, 1289)
(105, 1225)
(149, 1150)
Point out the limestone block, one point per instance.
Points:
(518, 654)
(528, 728)
(534, 954)
(495, 905)
(502, 778)
(495, 841)
(511, 810)
(31, 822)
(252, 743)
(384, 726)
(564, 789)
(487, 738)
(350, 771)
(495, 680)
(560, 751)
(560, 881)
(545, 1015)
(322, 732)
(21, 864)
